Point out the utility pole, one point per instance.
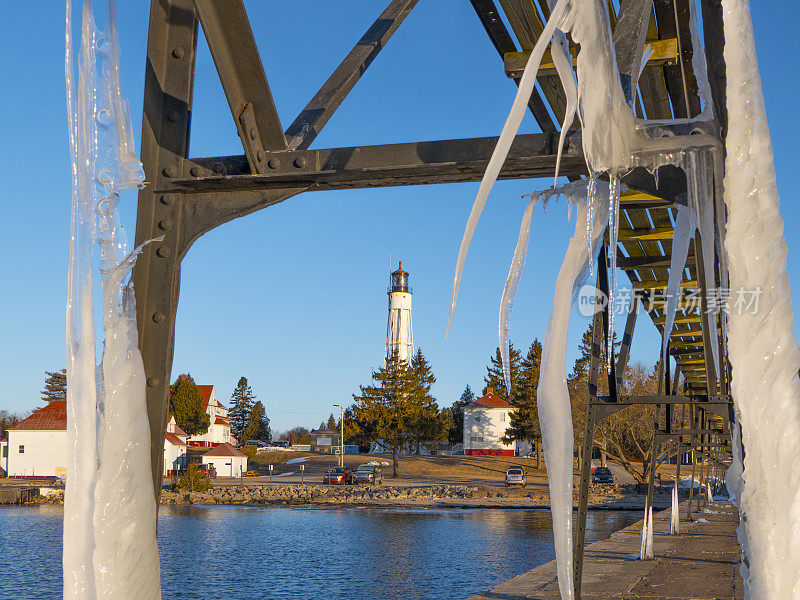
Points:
(341, 435)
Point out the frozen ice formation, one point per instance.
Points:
(646, 550)
(762, 345)
(110, 549)
(674, 516)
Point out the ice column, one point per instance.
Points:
(674, 517)
(761, 342)
(110, 549)
(554, 410)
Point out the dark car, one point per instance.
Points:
(338, 475)
(368, 474)
(602, 475)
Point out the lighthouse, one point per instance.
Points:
(399, 336)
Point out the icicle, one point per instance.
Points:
(685, 226)
(613, 234)
(699, 65)
(553, 397)
(675, 519)
(649, 546)
(643, 542)
(562, 59)
(110, 548)
(510, 129)
(762, 344)
(591, 196)
(510, 289)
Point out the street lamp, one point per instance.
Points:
(341, 436)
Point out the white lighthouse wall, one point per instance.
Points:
(483, 428)
(399, 335)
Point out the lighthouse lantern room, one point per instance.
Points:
(399, 335)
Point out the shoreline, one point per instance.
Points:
(441, 496)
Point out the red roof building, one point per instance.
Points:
(485, 423)
(227, 460)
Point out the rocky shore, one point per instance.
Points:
(616, 497)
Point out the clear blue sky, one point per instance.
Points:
(294, 297)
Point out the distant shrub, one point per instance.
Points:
(192, 480)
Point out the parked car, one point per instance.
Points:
(602, 475)
(368, 474)
(281, 444)
(207, 470)
(256, 443)
(516, 476)
(338, 475)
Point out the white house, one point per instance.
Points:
(219, 429)
(175, 458)
(485, 423)
(227, 460)
(37, 446)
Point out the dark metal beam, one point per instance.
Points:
(629, 36)
(503, 43)
(233, 47)
(416, 163)
(320, 109)
(169, 79)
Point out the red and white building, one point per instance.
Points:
(219, 429)
(227, 460)
(37, 446)
(485, 423)
(175, 457)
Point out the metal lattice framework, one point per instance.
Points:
(189, 196)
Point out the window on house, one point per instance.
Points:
(22, 448)
(476, 438)
(5, 451)
(503, 417)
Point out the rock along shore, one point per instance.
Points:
(434, 496)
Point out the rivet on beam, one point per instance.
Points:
(165, 225)
(177, 52)
(195, 171)
(274, 163)
(300, 162)
(152, 382)
(159, 317)
(169, 172)
(166, 199)
(163, 251)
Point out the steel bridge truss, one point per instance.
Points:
(189, 196)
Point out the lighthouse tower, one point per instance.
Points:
(399, 337)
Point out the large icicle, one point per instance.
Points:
(674, 517)
(510, 288)
(762, 345)
(510, 129)
(554, 410)
(110, 548)
(685, 226)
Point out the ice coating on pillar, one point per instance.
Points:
(553, 405)
(762, 345)
(78, 582)
(674, 517)
(110, 548)
(613, 235)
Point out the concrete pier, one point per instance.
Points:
(700, 563)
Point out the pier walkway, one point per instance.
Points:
(700, 563)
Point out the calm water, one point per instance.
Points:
(251, 553)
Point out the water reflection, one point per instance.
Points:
(252, 553)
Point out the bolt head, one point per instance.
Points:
(163, 251)
(195, 171)
(273, 163)
(300, 162)
(253, 133)
(177, 52)
(159, 317)
(219, 168)
(169, 172)
(260, 156)
(152, 382)
(165, 225)
(166, 199)
(173, 116)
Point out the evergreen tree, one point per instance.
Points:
(55, 386)
(455, 433)
(257, 427)
(242, 400)
(389, 409)
(186, 403)
(431, 426)
(494, 374)
(331, 424)
(524, 419)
